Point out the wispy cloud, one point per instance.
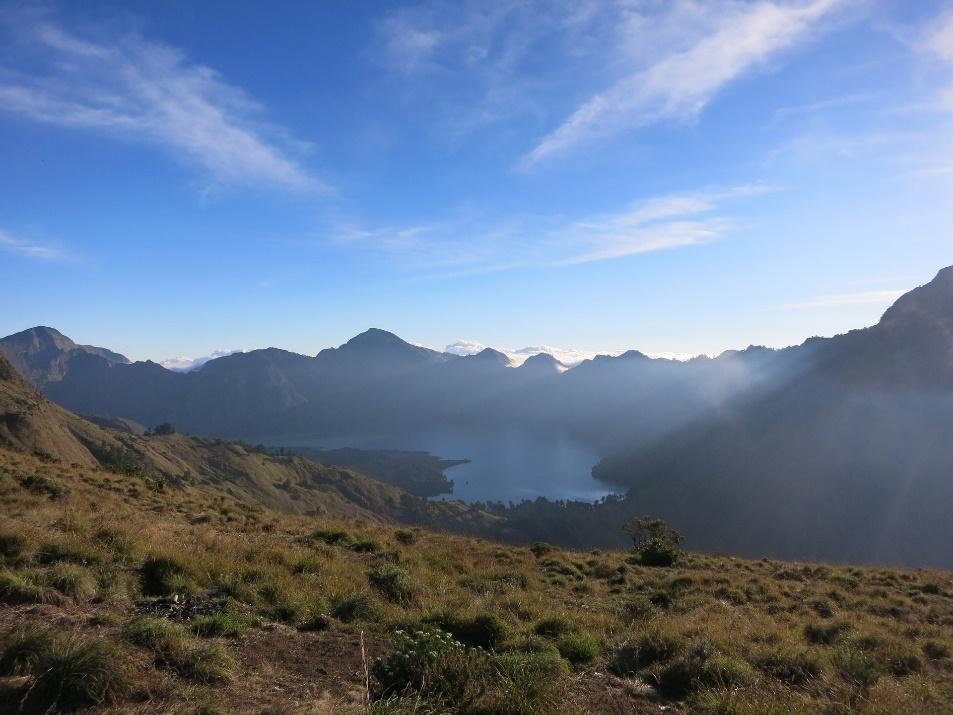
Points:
(184, 363)
(730, 40)
(938, 39)
(822, 105)
(570, 357)
(137, 89)
(30, 249)
(517, 356)
(463, 246)
(842, 299)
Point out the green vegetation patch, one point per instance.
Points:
(67, 672)
(39, 484)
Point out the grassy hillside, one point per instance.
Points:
(124, 597)
(229, 471)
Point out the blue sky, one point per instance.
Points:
(674, 176)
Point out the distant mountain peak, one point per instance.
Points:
(42, 336)
(932, 301)
(543, 362)
(375, 338)
(40, 354)
(491, 355)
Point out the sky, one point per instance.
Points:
(184, 179)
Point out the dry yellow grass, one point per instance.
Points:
(712, 634)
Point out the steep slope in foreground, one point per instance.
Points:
(115, 598)
(31, 424)
(850, 458)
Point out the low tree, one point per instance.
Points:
(656, 543)
(164, 428)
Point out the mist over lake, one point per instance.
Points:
(503, 465)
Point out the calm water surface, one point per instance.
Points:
(506, 466)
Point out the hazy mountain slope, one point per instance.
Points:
(850, 458)
(378, 383)
(29, 423)
(42, 354)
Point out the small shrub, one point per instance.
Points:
(578, 649)
(392, 582)
(221, 624)
(553, 627)
(173, 647)
(657, 647)
(936, 650)
(154, 633)
(432, 663)
(56, 551)
(38, 484)
(163, 576)
(680, 677)
(15, 588)
(118, 541)
(71, 580)
(283, 603)
(20, 650)
(356, 608)
(656, 543)
(638, 608)
(485, 630)
(794, 666)
(206, 663)
(406, 536)
(12, 545)
(822, 607)
(69, 672)
(540, 548)
(857, 666)
(532, 644)
(725, 671)
(333, 537)
(521, 683)
(367, 546)
(825, 633)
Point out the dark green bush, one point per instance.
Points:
(356, 608)
(485, 630)
(794, 666)
(367, 546)
(55, 551)
(71, 580)
(12, 545)
(38, 484)
(857, 666)
(221, 624)
(69, 672)
(334, 537)
(392, 582)
(578, 649)
(553, 627)
(541, 548)
(175, 648)
(431, 663)
(406, 536)
(637, 608)
(936, 650)
(17, 588)
(164, 575)
(825, 633)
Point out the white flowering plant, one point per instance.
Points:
(431, 662)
